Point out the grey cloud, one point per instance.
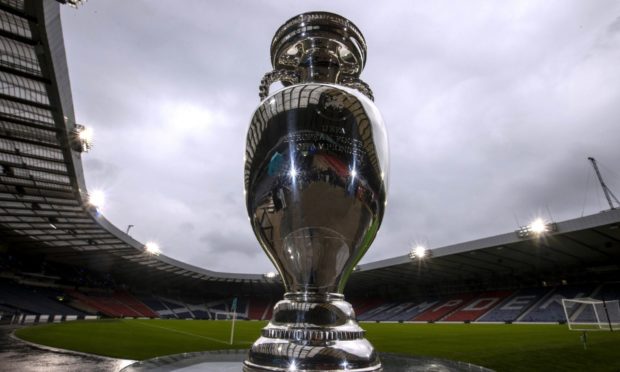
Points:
(491, 112)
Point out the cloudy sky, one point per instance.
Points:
(491, 107)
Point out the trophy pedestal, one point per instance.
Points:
(312, 335)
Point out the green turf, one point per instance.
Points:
(500, 347)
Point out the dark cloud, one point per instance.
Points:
(491, 113)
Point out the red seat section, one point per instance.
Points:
(259, 308)
(443, 308)
(130, 301)
(119, 304)
(362, 305)
(478, 306)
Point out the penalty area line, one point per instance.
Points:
(183, 333)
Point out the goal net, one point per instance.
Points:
(589, 314)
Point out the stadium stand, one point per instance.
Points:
(400, 311)
(116, 304)
(513, 306)
(584, 313)
(549, 308)
(477, 307)
(362, 305)
(33, 300)
(413, 311)
(258, 308)
(444, 308)
(374, 313)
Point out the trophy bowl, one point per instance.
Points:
(315, 184)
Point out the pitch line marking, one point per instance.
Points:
(184, 333)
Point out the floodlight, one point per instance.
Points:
(353, 173)
(72, 3)
(271, 275)
(538, 226)
(293, 172)
(152, 248)
(419, 252)
(82, 138)
(96, 199)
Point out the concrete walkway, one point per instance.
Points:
(19, 356)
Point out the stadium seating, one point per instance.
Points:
(258, 308)
(413, 311)
(477, 307)
(117, 304)
(549, 308)
(33, 300)
(375, 312)
(586, 314)
(362, 305)
(513, 306)
(132, 302)
(443, 308)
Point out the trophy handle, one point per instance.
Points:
(359, 84)
(286, 76)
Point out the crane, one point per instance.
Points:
(608, 194)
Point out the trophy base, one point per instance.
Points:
(312, 333)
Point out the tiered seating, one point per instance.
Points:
(586, 314)
(374, 312)
(113, 305)
(33, 300)
(135, 304)
(412, 311)
(258, 308)
(609, 292)
(174, 309)
(443, 308)
(153, 303)
(512, 307)
(362, 305)
(388, 311)
(477, 307)
(550, 309)
(404, 311)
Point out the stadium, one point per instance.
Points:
(71, 280)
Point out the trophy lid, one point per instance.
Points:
(312, 31)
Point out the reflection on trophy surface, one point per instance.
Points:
(315, 181)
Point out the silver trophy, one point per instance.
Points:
(316, 165)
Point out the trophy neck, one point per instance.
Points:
(321, 47)
(313, 297)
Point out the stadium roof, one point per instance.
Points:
(44, 207)
(589, 244)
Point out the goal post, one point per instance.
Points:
(589, 314)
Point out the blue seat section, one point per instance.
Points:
(609, 292)
(393, 310)
(586, 313)
(512, 307)
(33, 300)
(171, 306)
(375, 313)
(408, 310)
(201, 314)
(185, 315)
(550, 308)
(153, 303)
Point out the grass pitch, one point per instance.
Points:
(500, 347)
